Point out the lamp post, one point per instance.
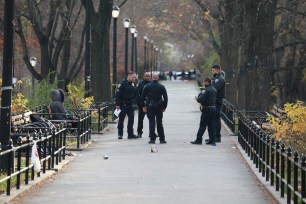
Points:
(156, 58)
(145, 37)
(126, 23)
(135, 40)
(152, 56)
(115, 14)
(7, 73)
(133, 30)
(87, 50)
(33, 62)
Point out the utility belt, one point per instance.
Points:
(205, 107)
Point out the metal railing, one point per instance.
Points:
(228, 115)
(274, 160)
(51, 150)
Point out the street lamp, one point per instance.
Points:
(87, 50)
(152, 55)
(126, 23)
(135, 40)
(145, 37)
(133, 30)
(33, 62)
(115, 14)
(156, 57)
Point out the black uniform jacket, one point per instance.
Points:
(219, 84)
(207, 97)
(140, 87)
(125, 93)
(156, 94)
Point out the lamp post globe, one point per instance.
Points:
(126, 22)
(33, 61)
(115, 11)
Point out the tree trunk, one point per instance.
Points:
(100, 69)
(257, 51)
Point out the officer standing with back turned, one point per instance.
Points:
(155, 104)
(125, 97)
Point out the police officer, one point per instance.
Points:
(125, 97)
(207, 99)
(141, 114)
(155, 105)
(218, 83)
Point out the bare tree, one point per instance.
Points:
(52, 23)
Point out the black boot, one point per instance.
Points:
(197, 142)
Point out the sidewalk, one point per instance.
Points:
(179, 173)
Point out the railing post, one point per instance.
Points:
(272, 161)
(277, 164)
(283, 170)
(27, 160)
(303, 165)
(19, 142)
(295, 176)
(263, 155)
(288, 175)
(268, 159)
(9, 167)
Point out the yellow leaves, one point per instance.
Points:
(86, 102)
(292, 128)
(19, 82)
(76, 94)
(19, 104)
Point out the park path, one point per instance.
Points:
(179, 173)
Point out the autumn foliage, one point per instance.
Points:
(291, 129)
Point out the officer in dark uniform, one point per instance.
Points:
(155, 105)
(125, 97)
(207, 99)
(218, 83)
(141, 114)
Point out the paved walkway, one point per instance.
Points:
(179, 173)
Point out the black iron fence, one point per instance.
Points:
(50, 138)
(284, 170)
(276, 162)
(51, 151)
(228, 115)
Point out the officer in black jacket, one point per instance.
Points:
(207, 99)
(141, 114)
(125, 97)
(218, 83)
(155, 105)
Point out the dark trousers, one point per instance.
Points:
(218, 120)
(141, 116)
(155, 112)
(129, 111)
(207, 119)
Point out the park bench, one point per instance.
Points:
(278, 112)
(28, 127)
